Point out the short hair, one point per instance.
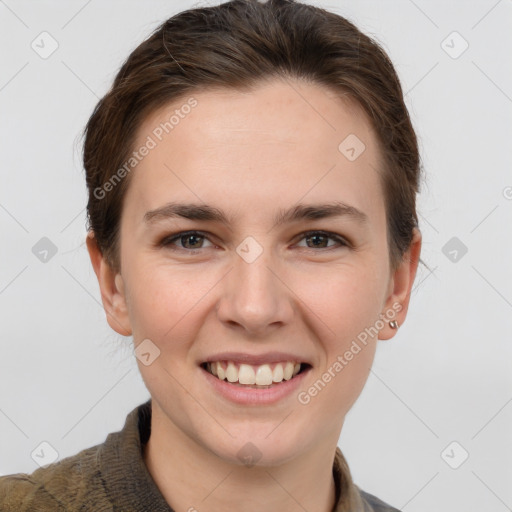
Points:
(238, 45)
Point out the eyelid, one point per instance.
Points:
(329, 234)
(342, 241)
(166, 241)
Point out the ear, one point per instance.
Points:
(111, 287)
(400, 286)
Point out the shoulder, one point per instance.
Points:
(57, 487)
(20, 493)
(374, 504)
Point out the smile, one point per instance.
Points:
(256, 376)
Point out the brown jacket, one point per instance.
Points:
(112, 477)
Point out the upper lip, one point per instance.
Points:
(256, 359)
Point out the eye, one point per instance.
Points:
(190, 240)
(319, 238)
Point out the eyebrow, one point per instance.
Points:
(297, 213)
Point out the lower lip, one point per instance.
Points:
(255, 396)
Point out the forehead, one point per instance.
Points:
(280, 141)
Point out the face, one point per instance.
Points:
(260, 286)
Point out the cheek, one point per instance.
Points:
(346, 298)
(343, 297)
(165, 300)
(348, 307)
(347, 302)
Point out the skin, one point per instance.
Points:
(251, 154)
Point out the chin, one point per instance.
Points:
(247, 449)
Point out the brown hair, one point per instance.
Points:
(237, 45)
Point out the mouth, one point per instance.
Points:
(262, 376)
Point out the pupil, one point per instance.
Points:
(191, 237)
(316, 237)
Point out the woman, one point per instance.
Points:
(252, 178)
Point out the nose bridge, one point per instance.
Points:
(255, 298)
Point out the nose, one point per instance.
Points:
(254, 297)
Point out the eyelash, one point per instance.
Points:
(167, 241)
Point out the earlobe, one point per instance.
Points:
(112, 289)
(397, 302)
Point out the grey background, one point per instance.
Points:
(67, 379)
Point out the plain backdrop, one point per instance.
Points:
(431, 430)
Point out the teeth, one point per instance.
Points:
(262, 375)
(246, 374)
(220, 371)
(288, 371)
(278, 373)
(231, 372)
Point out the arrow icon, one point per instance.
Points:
(44, 250)
(44, 44)
(146, 352)
(44, 453)
(454, 455)
(454, 45)
(249, 249)
(351, 147)
(454, 249)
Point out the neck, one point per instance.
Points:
(191, 478)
